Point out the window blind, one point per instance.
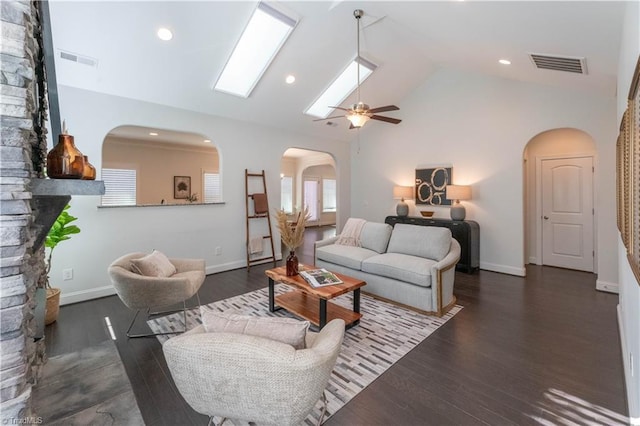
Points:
(120, 187)
(328, 195)
(286, 194)
(212, 190)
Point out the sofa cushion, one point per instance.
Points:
(375, 236)
(430, 242)
(403, 267)
(286, 330)
(347, 256)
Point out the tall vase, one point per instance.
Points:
(65, 161)
(292, 264)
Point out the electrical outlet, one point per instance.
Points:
(218, 251)
(67, 274)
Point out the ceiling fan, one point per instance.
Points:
(359, 113)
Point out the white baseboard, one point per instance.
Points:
(520, 272)
(236, 264)
(607, 286)
(214, 269)
(634, 412)
(84, 295)
(533, 260)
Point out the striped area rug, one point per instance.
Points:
(385, 334)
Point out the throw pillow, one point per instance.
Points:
(155, 264)
(285, 330)
(431, 242)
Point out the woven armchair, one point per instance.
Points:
(139, 292)
(250, 378)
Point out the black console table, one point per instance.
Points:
(466, 232)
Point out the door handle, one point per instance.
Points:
(546, 217)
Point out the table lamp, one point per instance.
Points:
(402, 192)
(457, 193)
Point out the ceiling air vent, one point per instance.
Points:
(73, 57)
(559, 63)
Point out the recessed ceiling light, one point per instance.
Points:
(207, 141)
(153, 134)
(164, 34)
(290, 79)
(505, 61)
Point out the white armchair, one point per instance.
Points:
(251, 378)
(140, 292)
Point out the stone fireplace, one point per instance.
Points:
(22, 158)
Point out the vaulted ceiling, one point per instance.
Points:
(407, 40)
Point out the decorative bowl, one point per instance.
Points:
(426, 213)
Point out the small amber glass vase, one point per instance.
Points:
(292, 264)
(65, 161)
(89, 171)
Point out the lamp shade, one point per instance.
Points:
(458, 192)
(357, 120)
(402, 192)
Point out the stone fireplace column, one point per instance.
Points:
(22, 157)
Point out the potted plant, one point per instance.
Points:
(61, 230)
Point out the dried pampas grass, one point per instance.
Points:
(292, 233)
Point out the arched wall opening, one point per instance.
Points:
(315, 171)
(562, 143)
(144, 166)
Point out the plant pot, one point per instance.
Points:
(53, 306)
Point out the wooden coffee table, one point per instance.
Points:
(311, 303)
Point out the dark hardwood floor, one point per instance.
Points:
(537, 350)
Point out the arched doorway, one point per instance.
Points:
(309, 179)
(559, 167)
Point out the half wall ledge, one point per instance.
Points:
(49, 196)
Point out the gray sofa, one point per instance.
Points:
(408, 264)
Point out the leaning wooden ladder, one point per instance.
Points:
(260, 211)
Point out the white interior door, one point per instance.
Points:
(567, 213)
(311, 199)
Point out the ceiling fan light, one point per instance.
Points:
(357, 120)
(360, 107)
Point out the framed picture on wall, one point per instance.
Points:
(181, 187)
(431, 185)
(628, 175)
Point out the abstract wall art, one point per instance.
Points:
(431, 185)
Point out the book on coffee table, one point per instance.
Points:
(320, 277)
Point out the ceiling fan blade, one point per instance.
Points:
(384, 109)
(351, 126)
(336, 107)
(329, 118)
(387, 119)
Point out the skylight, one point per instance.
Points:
(261, 40)
(341, 87)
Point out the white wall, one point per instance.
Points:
(629, 307)
(480, 125)
(181, 231)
